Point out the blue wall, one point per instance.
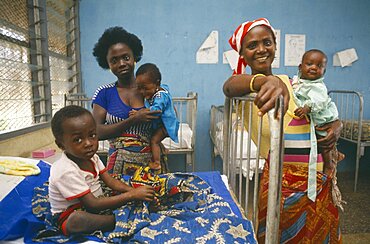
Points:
(172, 32)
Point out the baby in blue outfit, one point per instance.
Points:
(157, 97)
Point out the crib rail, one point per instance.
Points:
(79, 99)
(350, 106)
(234, 172)
(186, 110)
(216, 126)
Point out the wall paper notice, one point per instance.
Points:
(208, 51)
(231, 57)
(294, 49)
(345, 57)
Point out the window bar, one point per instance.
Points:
(38, 24)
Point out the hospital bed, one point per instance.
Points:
(19, 225)
(229, 132)
(356, 130)
(186, 109)
(217, 141)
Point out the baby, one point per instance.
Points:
(157, 97)
(312, 99)
(75, 193)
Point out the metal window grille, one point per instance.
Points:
(39, 60)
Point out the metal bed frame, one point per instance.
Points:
(216, 117)
(186, 109)
(234, 173)
(79, 99)
(351, 111)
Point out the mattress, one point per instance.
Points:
(350, 130)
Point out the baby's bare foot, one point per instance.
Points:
(340, 156)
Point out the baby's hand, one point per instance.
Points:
(132, 112)
(155, 205)
(145, 193)
(301, 112)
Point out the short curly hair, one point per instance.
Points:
(68, 112)
(152, 70)
(315, 51)
(114, 35)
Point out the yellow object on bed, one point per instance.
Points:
(19, 168)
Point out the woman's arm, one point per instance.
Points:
(268, 88)
(238, 85)
(333, 130)
(105, 131)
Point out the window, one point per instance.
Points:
(39, 61)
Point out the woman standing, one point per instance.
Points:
(129, 136)
(308, 212)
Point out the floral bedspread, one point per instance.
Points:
(189, 212)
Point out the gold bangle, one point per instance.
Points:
(252, 81)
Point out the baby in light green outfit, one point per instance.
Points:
(312, 99)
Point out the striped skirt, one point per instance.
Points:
(301, 220)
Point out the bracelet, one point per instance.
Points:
(252, 81)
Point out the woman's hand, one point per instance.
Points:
(269, 89)
(108, 131)
(333, 130)
(132, 112)
(145, 115)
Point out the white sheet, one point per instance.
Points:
(185, 134)
(225, 181)
(252, 162)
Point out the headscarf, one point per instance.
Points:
(237, 39)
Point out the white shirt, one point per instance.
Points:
(67, 182)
